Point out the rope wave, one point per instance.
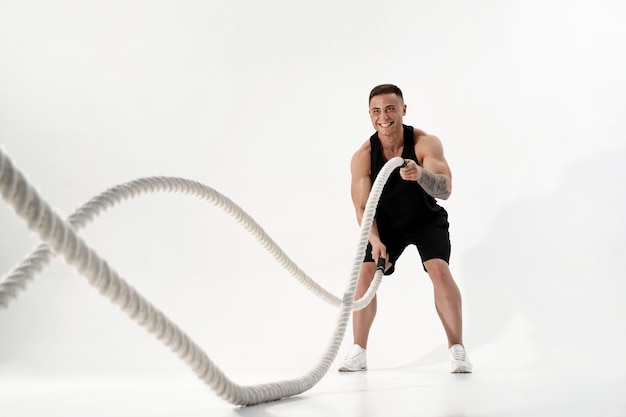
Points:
(61, 237)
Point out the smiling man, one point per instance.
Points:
(407, 214)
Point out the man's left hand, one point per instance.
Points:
(411, 171)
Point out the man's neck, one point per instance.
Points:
(392, 142)
(392, 145)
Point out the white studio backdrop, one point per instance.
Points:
(266, 102)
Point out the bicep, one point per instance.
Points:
(438, 166)
(433, 159)
(361, 183)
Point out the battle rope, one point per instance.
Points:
(17, 279)
(62, 238)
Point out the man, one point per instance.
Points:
(407, 214)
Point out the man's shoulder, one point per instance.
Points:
(364, 150)
(427, 144)
(362, 155)
(423, 138)
(419, 133)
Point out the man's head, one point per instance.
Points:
(385, 89)
(387, 108)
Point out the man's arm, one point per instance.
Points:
(360, 188)
(437, 185)
(361, 184)
(434, 174)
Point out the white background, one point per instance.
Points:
(266, 102)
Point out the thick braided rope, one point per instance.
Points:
(63, 239)
(17, 279)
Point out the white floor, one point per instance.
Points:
(429, 391)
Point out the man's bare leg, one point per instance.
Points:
(447, 300)
(362, 320)
(448, 304)
(356, 359)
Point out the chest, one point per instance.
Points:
(390, 154)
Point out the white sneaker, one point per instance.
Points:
(356, 360)
(459, 361)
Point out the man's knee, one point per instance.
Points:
(437, 269)
(368, 270)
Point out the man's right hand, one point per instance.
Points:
(379, 251)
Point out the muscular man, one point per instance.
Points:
(407, 214)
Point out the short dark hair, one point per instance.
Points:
(385, 89)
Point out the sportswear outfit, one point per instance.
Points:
(406, 215)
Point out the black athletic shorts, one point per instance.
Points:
(432, 242)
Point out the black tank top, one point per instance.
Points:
(403, 204)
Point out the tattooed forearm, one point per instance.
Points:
(434, 184)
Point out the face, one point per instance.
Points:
(386, 113)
